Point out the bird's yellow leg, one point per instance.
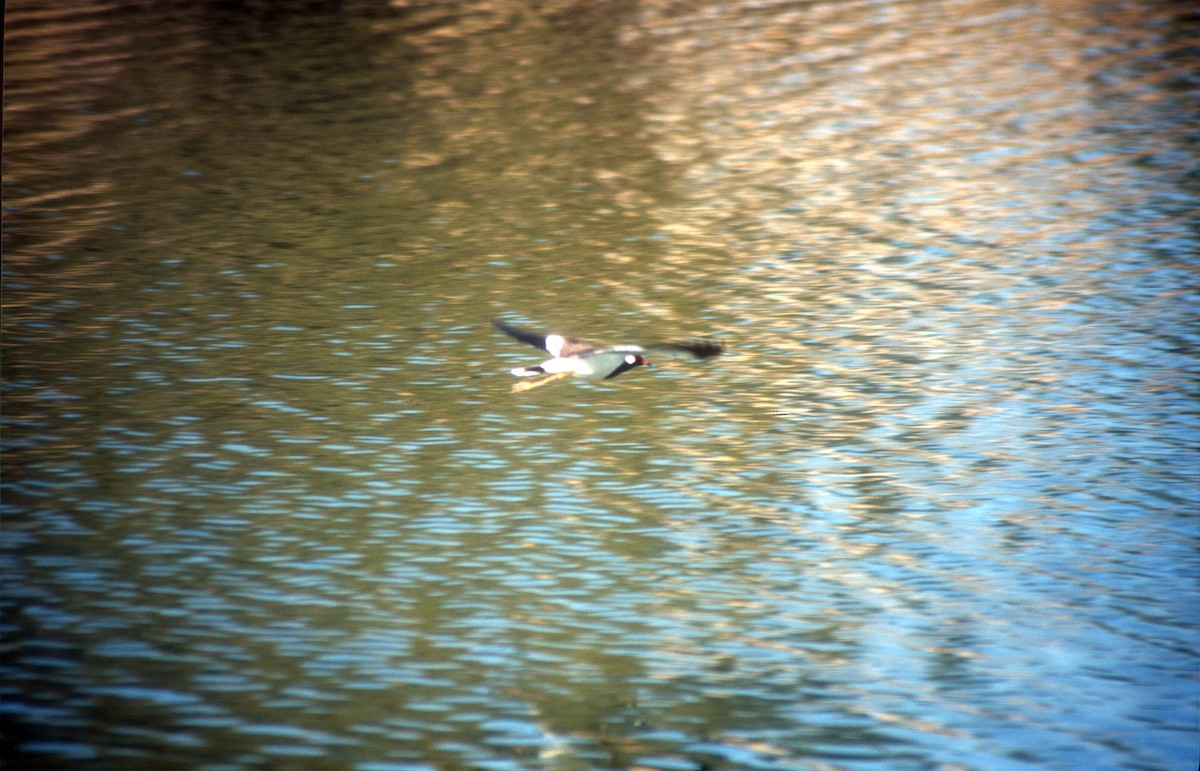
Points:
(529, 385)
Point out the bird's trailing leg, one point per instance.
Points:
(528, 385)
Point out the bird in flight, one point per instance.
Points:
(595, 362)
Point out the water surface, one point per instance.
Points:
(270, 503)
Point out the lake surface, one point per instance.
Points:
(269, 501)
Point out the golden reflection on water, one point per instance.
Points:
(952, 127)
(906, 234)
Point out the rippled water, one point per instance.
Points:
(270, 503)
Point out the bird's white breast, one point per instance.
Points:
(577, 367)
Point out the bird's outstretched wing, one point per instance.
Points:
(686, 349)
(555, 345)
(532, 338)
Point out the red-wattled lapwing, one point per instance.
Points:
(595, 362)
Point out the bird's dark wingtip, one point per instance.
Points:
(499, 325)
(532, 338)
(701, 349)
